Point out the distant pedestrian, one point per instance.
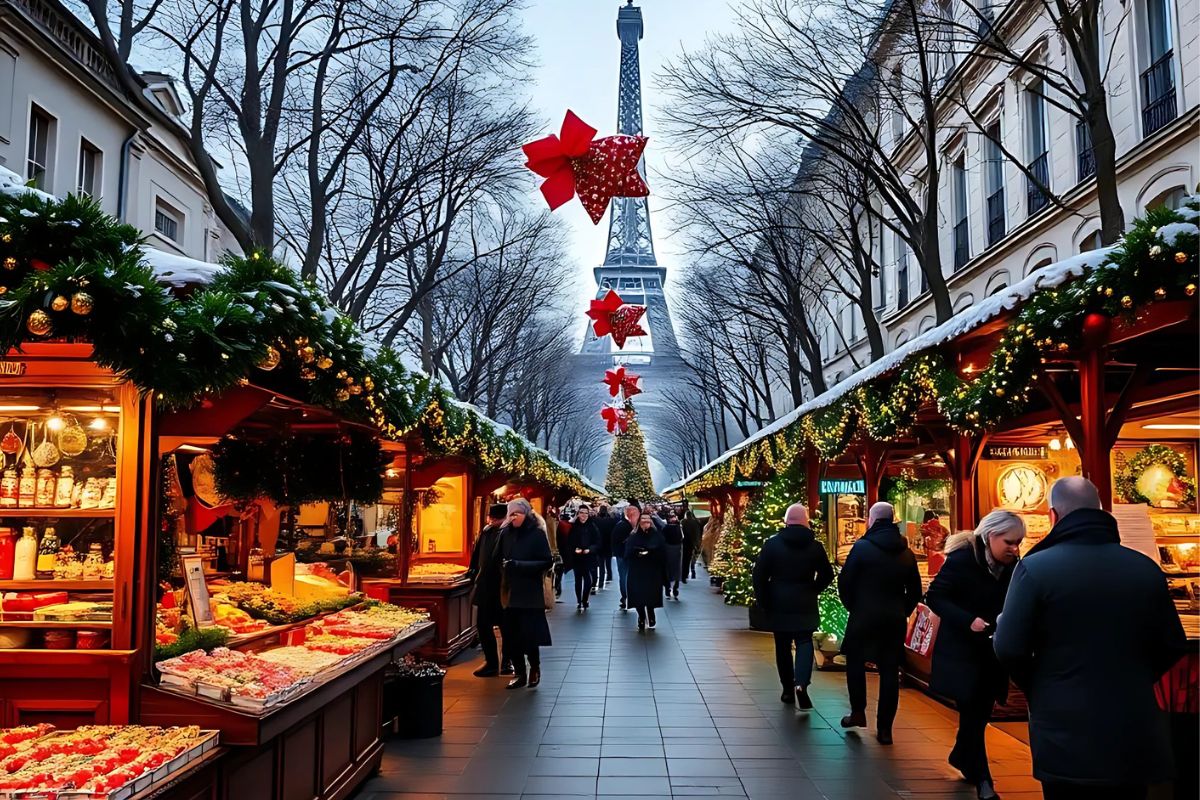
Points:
(484, 572)
(791, 572)
(646, 557)
(880, 586)
(673, 536)
(620, 533)
(1087, 630)
(605, 520)
(693, 533)
(583, 543)
(525, 559)
(967, 595)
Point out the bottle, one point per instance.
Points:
(27, 488)
(25, 557)
(44, 493)
(7, 553)
(93, 565)
(10, 485)
(47, 554)
(64, 488)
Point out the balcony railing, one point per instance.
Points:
(1158, 94)
(1039, 176)
(995, 216)
(962, 244)
(1083, 146)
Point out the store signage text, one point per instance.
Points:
(1009, 451)
(747, 484)
(858, 486)
(12, 369)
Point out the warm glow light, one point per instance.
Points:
(1172, 426)
(56, 423)
(1055, 444)
(391, 473)
(1070, 445)
(99, 424)
(20, 408)
(968, 368)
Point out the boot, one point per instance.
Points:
(520, 681)
(855, 719)
(506, 668)
(535, 676)
(986, 791)
(884, 735)
(788, 696)
(652, 620)
(803, 701)
(486, 671)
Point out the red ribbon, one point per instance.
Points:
(619, 380)
(616, 418)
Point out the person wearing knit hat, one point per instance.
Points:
(525, 558)
(484, 573)
(791, 572)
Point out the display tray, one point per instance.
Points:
(449, 581)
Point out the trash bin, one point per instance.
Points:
(412, 699)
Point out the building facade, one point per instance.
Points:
(995, 224)
(67, 126)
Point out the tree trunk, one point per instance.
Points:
(1104, 152)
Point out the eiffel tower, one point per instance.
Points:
(630, 267)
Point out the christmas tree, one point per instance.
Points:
(628, 467)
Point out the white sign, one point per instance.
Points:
(196, 589)
(1136, 528)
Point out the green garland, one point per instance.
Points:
(300, 469)
(1173, 460)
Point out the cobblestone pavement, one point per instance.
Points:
(688, 709)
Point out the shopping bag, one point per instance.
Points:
(548, 590)
(922, 631)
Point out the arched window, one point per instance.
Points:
(901, 337)
(926, 324)
(1090, 242)
(965, 300)
(997, 281)
(1172, 198)
(1040, 256)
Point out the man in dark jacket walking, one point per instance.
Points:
(605, 521)
(693, 532)
(880, 586)
(791, 571)
(583, 543)
(1087, 629)
(620, 534)
(485, 596)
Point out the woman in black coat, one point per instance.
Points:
(673, 536)
(525, 558)
(645, 553)
(583, 545)
(968, 594)
(791, 572)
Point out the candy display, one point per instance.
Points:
(278, 609)
(244, 679)
(435, 571)
(94, 761)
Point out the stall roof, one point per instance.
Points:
(1048, 277)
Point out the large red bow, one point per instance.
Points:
(616, 417)
(598, 170)
(612, 315)
(619, 380)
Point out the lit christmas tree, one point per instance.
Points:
(628, 467)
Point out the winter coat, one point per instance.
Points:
(646, 554)
(605, 525)
(659, 522)
(1088, 628)
(790, 573)
(693, 532)
(583, 536)
(964, 665)
(525, 557)
(485, 575)
(620, 534)
(880, 586)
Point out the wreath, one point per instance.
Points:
(1173, 460)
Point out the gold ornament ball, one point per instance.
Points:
(369, 383)
(82, 303)
(307, 374)
(999, 391)
(1160, 293)
(60, 303)
(3, 289)
(1126, 302)
(1181, 258)
(342, 395)
(1190, 289)
(355, 389)
(270, 359)
(6, 238)
(308, 354)
(39, 323)
(1108, 292)
(324, 362)
(10, 263)
(342, 374)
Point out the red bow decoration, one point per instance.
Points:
(612, 315)
(616, 418)
(597, 170)
(619, 380)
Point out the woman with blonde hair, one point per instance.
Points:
(968, 595)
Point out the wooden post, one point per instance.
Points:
(966, 505)
(1093, 450)
(812, 479)
(407, 509)
(870, 461)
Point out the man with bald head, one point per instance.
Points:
(1088, 628)
(880, 586)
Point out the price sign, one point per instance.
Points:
(196, 589)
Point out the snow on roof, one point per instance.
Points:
(178, 271)
(13, 184)
(1048, 277)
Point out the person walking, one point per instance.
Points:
(693, 533)
(484, 572)
(583, 543)
(525, 558)
(672, 535)
(879, 586)
(791, 572)
(605, 521)
(967, 595)
(1087, 629)
(620, 534)
(646, 559)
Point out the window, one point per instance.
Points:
(901, 271)
(167, 220)
(945, 40)
(90, 161)
(1158, 80)
(897, 102)
(1090, 243)
(1083, 147)
(41, 148)
(994, 183)
(962, 234)
(1172, 198)
(1035, 146)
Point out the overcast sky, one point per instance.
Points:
(578, 54)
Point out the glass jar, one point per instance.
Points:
(25, 558)
(47, 554)
(46, 484)
(64, 488)
(10, 486)
(93, 564)
(27, 488)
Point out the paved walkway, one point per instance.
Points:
(689, 709)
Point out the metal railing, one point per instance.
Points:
(1039, 176)
(1083, 147)
(995, 216)
(962, 244)
(1158, 94)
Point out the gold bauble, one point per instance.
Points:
(39, 323)
(1160, 293)
(270, 359)
(1190, 289)
(342, 395)
(10, 263)
(999, 391)
(1126, 302)
(356, 389)
(6, 238)
(342, 374)
(82, 303)
(324, 362)
(1108, 291)
(1181, 258)
(308, 354)
(3, 289)
(307, 374)
(60, 303)
(369, 382)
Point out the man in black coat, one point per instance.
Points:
(693, 532)
(485, 595)
(791, 572)
(605, 522)
(620, 534)
(1088, 628)
(583, 543)
(880, 586)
